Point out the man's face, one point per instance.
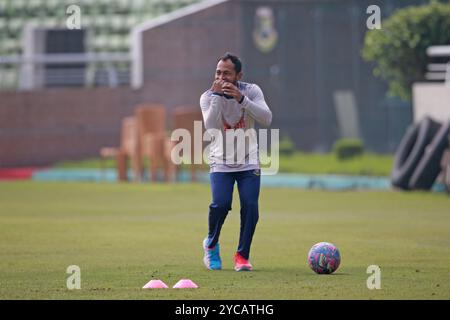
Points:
(225, 71)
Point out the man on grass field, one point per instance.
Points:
(231, 105)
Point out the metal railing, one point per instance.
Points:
(73, 69)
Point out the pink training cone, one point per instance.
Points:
(185, 284)
(155, 284)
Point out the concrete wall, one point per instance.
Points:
(41, 127)
(179, 56)
(431, 99)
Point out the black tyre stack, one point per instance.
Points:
(417, 160)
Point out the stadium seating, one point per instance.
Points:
(184, 117)
(127, 150)
(153, 140)
(109, 24)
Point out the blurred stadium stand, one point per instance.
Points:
(105, 28)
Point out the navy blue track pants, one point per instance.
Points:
(222, 185)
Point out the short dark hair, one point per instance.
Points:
(235, 59)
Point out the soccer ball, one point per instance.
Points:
(324, 258)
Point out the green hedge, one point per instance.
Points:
(348, 148)
(286, 146)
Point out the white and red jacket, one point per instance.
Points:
(225, 113)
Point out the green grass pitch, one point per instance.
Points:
(123, 235)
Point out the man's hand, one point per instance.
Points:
(217, 86)
(231, 90)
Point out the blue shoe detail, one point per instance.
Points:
(212, 259)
